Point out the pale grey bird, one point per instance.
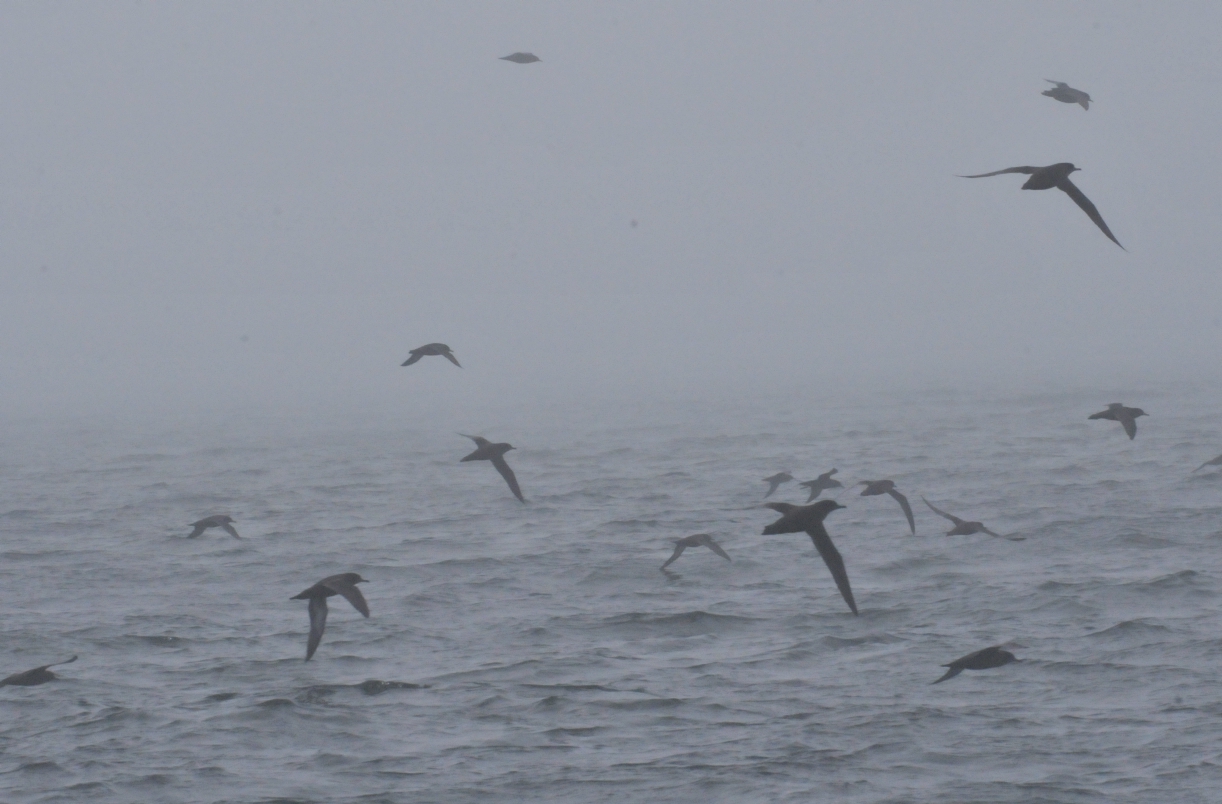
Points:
(984, 659)
(342, 584)
(875, 487)
(521, 58)
(964, 528)
(775, 481)
(1049, 176)
(808, 519)
(1117, 412)
(487, 451)
(431, 350)
(1067, 94)
(32, 678)
(820, 484)
(1215, 462)
(699, 540)
(222, 521)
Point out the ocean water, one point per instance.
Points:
(535, 652)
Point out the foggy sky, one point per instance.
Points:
(265, 205)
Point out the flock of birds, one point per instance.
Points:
(807, 518)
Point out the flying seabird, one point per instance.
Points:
(487, 451)
(875, 487)
(1049, 176)
(521, 58)
(964, 528)
(1067, 94)
(431, 350)
(1117, 412)
(1215, 462)
(776, 480)
(809, 519)
(32, 678)
(700, 539)
(819, 484)
(342, 584)
(984, 659)
(222, 521)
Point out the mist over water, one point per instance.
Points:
(695, 245)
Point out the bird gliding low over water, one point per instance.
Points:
(1127, 417)
(820, 484)
(342, 584)
(431, 350)
(699, 540)
(1067, 94)
(876, 487)
(775, 481)
(964, 528)
(984, 659)
(487, 451)
(32, 678)
(222, 521)
(808, 519)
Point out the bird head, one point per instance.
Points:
(825, 507)
(1138, 412)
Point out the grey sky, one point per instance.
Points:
(340, 183)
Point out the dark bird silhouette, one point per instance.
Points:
(808, 519)
(32, 678)
(222, 521)
(776, 480)
(431, 350)
(985, 659)
(1215, 462)
(820, 484)
(699, 540)
(1049, 176)
(521, 58)
(487, 451)
(875, 487)
(964, 528)
(342, 584)
(1067, 94)
(1117, 412)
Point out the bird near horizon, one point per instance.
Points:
(1067, 94)
(984, 659)
(876, 487)
(699, 540)
(222, 521)
(1127, 417)
(487, 451)
(521, 58)
(964, 528)
(431, 350)
(820, 484)
(775, 481)
(808, 519)
(1049, 176)
(342, 584)
(32, 678)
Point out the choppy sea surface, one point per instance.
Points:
(535, 652)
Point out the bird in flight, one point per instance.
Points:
(487, 451)
(32, 678)
(1049, 176)
(521, 58)
(964, 528)
(1067, 94)
(431, 350)
(820, 484)
(342, 584)
(776, 480)
(699, 540)
(808, 519)
(876, 487)
(985, 659)
(222, 521)
(1117, 412)
(1215, 462)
